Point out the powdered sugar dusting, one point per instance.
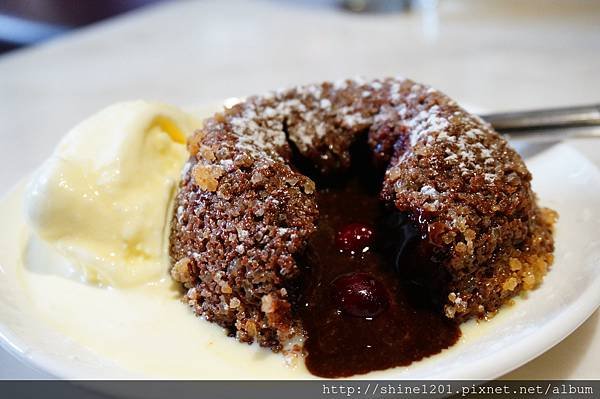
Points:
(428, 190)
(454, 176)
(426, 122)
(326, 116)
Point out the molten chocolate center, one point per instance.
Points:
(359, 312)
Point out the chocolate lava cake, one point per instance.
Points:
(328, 218)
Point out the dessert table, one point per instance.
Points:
(492, 55)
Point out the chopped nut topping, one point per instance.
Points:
(510, 284)
(206, 176)
(181, 272)
(194, 142)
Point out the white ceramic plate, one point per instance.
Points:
(54, 335)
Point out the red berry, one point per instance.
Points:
(360, 294)
(354, 237)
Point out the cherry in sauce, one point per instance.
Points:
(360, 314)
(360, 294)
(360, 311)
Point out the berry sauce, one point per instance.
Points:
(359, 310)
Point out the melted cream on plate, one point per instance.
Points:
(146, 330)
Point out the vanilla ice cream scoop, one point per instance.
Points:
(103, 198)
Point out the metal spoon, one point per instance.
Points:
(548, 124)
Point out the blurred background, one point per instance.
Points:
(26, 22)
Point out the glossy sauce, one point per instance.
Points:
(398, 323)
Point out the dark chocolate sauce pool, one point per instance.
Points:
(359, 312)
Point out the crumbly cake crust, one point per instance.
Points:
(243, 211)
